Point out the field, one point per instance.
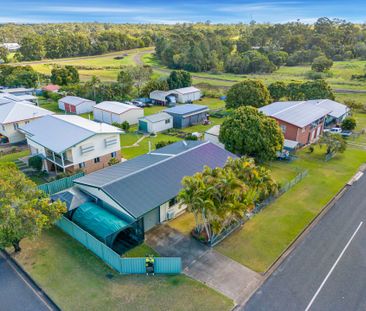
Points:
(77, 280)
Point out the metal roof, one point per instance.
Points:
(337, 110)
(186, 109)
(19, 111)
(17, 90)
(74, 100)
(187, 90)
(60, 132)
(215, 130)
(115, 107)
(157, 117)
(72, 197)
(153, 184)
(298, 113)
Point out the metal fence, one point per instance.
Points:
(60, 184)
(163, 265)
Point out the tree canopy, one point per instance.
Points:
(15, 76)
(321, 64)
(349, 124)
(178, 79)
(249, 132)
(64, 75)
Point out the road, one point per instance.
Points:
(17, 291)
(327, 270)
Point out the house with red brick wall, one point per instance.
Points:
(300, 121)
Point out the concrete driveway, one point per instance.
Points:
(205, 264)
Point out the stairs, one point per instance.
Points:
(22, 166)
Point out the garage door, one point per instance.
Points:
(151, 219)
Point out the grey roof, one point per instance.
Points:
(20, 111)
(298, 113)
(116, 107)
(337, 110)
(157, 117)
(151, 185)
(186, 109)
(72, 197)
(74, 100)
(291, 144)
(187, 90)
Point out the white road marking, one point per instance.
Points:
(26, 282)
(333, 267)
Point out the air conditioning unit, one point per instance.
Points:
(170, 215)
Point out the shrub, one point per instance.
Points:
(35, 162)
(349, 124)
(113, 161)
(163, 143)
(125, 126)
(190, 136)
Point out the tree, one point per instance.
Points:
(333, 142)
(152, 85)
(279, 58)
(31, 48)
(125, 126)
(125, 81)
(24, 209)
(14, 76)
(316, 89)
(64, 75)
(277, 90)
(248, 93)
(178, 79)
(4, 52)
(349, 124)
(321, 64)
(249, 132)
(35, 162)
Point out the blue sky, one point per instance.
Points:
(173, 11)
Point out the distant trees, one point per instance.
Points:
(249, 132)
(248, 93)
(64, 75)
(4, 54)
(178, 79)
(321, 64)
(349, 124)
(14, 76)
(31, 48)
(154, 84)
(277, 90)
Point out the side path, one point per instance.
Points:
(18, 292)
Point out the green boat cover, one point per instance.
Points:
(100, 223)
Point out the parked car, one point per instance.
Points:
(139, 104)
(334, 130)
(346, 133)
(129, 103)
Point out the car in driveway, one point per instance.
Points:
(334, 130)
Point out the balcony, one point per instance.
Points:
(62, 160)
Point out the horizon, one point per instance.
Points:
(164, 12)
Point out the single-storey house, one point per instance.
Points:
(188, 115)
(70, 143)
(337, 111)
(16, 114)
(170, 98)
(212, 135)
(18, 91)
(116, 112)
(142, 192)
(53, 88)
(31, 99)
(76, 105)
(188, 94)
(156, 123)
(164, 98)
(299, 121)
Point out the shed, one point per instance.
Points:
(187, 94)
(156, 123)
(168, 98)
(187, 115)
(76, 105)
(116, 112)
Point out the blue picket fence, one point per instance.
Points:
(60, 184)
(163, 265)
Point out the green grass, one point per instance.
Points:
(77, 280)
(262, 239)
(140, 251)
(49, 105)
(14, 156)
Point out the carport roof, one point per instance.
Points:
(186, 109)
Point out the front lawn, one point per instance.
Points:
(262, 239)
(11, 157)
(77, 280)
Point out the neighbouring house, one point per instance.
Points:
(212, 135)
(116, 112)
(18, 91)
(31, 99)
(337, 111)
(170, 98)
(299, 121)
(11, 46)
(156, 123)
(16, 114)
(68, 143)
(143, 191)
(76, 105)
(188, 115)
(53, 88)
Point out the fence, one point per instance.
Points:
(60, 184)
(164, 265)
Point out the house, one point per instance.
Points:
(69, 143)
(18, 91)
(11, 47)
(337, 111)
(20, 98)
(188, 94)
(116, 112)
(16, 114)
(212, 135)
(299, 121)
(156, 123)
(188, 115)
(76, 105)
(143, 191)
(53, 88)
(164, 98)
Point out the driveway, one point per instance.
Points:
(205, 264)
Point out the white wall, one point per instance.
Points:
(131, 116)
(183, 98)
(85, 107)
(177, 208)
(61, 105)
(160, 126)
(13, 135)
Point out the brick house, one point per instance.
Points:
(69, 142)
(300, 121)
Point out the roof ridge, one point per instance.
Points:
(288, 108)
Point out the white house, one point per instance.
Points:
(17, 91)
(156, 123)
(116, 112)
(76, 105)
(182, 96)
(212, 135)
(188, 94)
(31, 99)
(16, 114)
(11, 46)
(168, 98)
(70, 142)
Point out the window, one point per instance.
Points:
(26, 122)
(114, 154)
(82, 165)
(97, 160)
(283, 128)
(167, 121)
(173, 202)
(16, 126)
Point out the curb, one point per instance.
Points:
(34, 284)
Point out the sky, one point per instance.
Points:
(179, 11)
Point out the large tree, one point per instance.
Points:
(248, 93)
(249, 132)
(178, 79)
(31, 48)
(64, 75)
(24, 209)
(321, 64)
(14, 76)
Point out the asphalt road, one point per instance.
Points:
(17, 291)
(327, 270)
